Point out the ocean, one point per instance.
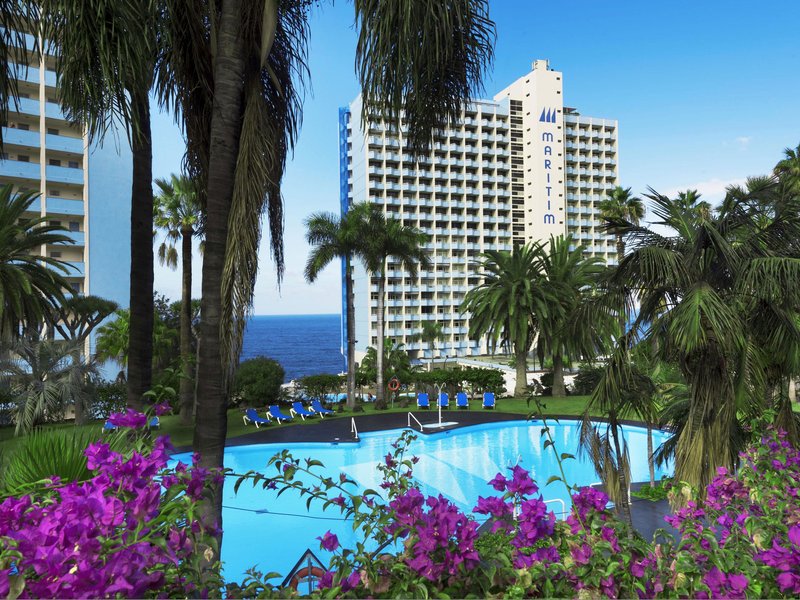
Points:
(302, 344)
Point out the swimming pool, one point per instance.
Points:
(271, 533)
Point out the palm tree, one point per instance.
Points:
(621, 206)
(113, 340)
(333, 237)
(718, 293)
(75, 320)
(178, 213)
(106, 68)
(789, 165)
(582, 328)
(384, 239)
(31, 285)
(430, 332)
(43, 379)
(510, 303)
(396, 363)
(235, 75)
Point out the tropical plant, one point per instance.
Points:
(717, 294)
(31, 285)
(113, 340)
(258, 381)
(178, 215)
(235, 75)
(332, 237)
(105, 67)
(789, 167)
(509, 304)
(582, 328)
(44, 379)
(430, 332)
(76, 318)
(395, 363)
(320, 385)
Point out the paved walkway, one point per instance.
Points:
(647, 516)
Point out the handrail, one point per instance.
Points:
(563, 504)
(411, 416)
(353, 428)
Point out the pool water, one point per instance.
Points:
(271, 533)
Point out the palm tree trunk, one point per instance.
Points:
(186, 392)
(623, 504)
(351, 335)
(379, 392)
(792, 389)
(623, 312)
(211, 419)
(521, 386)
(650, 461)
(140, 351)
(559, 390)
(80, 412)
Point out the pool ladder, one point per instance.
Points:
(353, 428)
(411, 416)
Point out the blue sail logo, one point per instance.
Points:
(548, 115)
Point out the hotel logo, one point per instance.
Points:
(548, 115)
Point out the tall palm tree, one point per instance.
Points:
(31, 285)
(106, 69)
(621, 206)
(789, 165)
(235, 75)
(383, 239)
(582, 328)
(76, 319)
(43, 379)
(332, 238)
(718, 292)
(430, 332)
(178, 214)
(510, 303)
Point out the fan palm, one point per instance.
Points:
(581, 328)
(510, 303)
(332, 238)
(31, 285)
(711, 290)
(178, 214)
(43, 379)
(235, 74)
(430, 332)
(105, 53)
(789, 165)
(383, 239)
(621, 206)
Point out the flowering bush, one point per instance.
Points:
(743, 540)
(130, 531)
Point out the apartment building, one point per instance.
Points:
(518, 168)
(85, 187)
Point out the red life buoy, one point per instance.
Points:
(304, 573)
(394, 384)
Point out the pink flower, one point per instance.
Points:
(329, 541)
(130, 418)
(162, 409)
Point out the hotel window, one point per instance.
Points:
(74, 164)
(52, 131)
(55, 223)
(24, 127)
(54, 162)
(55, 193)
(55, 254)
(74, 226)
(23, 158)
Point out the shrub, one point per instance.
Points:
(258, 382)
(587, 379)
(109, 397)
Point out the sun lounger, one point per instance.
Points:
(422, 401)
(444, 400)
(299, 409)
(253, 417)
(108, 426)
(276, 413)
(317, 407)
(488, 400)
(155, 423)
(462, 401)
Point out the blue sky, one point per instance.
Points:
(706, 94)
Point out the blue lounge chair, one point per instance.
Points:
(155, 423)
(276, 413)
(317, 407)
(488, 400)
(422, 401)
(461, 400)
(298, 409)
(253, 417)
(108, 426)
(444, 400)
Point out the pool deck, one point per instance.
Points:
(647, 516)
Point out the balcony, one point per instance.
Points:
(64, 175)
(64, 143)
(20, 137)
(20, 170)
(20, 72)
(28, 106)
(78, 237)
(76, 269)
(64, 206)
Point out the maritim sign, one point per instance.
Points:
(546, 184)
(549, 171)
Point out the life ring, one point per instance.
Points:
(394, 384)
(304, 573)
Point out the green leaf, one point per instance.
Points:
(553, 478)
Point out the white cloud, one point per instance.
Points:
(711, 190)
(743, 141)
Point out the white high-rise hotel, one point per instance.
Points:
(515, 169)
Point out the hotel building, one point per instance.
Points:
(515, 169)
(83, 187)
